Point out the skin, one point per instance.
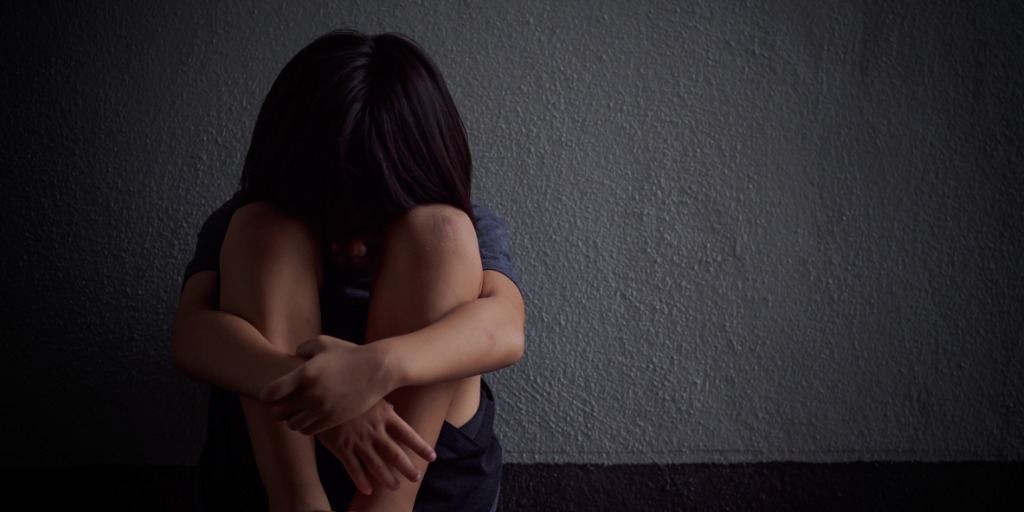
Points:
(270, 278)
(325, 386)
(430, 266)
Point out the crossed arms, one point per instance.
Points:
(322, 385)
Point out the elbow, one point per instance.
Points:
(179, 354)
(516, 335)
(514, 344)
(517, 348)
(178, 360)
(184, 364)
(505, 346)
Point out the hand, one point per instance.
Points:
(373, 442)
(340, 381)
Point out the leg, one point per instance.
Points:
(270, 277)
(430, 266)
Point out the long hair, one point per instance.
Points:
(356, 131)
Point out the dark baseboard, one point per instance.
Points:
(772, 486)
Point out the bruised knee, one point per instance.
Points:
(436, 231)
(436, 244)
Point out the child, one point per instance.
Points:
(345, 301)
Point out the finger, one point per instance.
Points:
(355, 471)
(399, 460)
(281, 387)
(381, 471)
(319, 425)
(300, 420)
(311, 347)
(401, 432)
(284, 410)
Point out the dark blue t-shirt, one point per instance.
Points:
(467, 472)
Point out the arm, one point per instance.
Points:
(226, 350)
(475, 338)
(430, 266)
(478, 337)
(220, 348)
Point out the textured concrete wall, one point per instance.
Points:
(747, 231)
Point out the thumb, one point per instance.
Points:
(311, 347)
(280, 387)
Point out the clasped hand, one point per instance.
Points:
(337, 395)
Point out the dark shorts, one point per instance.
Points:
(467, 473)
(465, 477)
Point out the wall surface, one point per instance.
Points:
(746, 231)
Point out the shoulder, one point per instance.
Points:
(482, 210)
(488, 221)
(216, 224)
(206, 255)
(495, 249)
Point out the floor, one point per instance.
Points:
(868, 486)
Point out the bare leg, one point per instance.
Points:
(430, 266)
(270, 277)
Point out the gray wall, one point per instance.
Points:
(775, 231)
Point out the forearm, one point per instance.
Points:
(227, 351)
(478, 337)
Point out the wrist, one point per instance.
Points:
(391, 371)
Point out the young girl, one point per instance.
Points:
(345, 301)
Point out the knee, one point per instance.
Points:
(260, 232)
(436, 233)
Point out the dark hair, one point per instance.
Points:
(356, 131)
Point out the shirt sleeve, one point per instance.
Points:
(492, 234)
(210, 239)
